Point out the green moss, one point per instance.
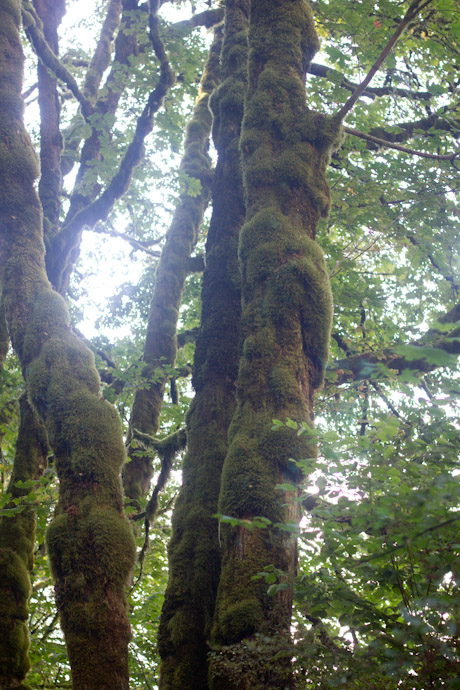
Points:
(241, 620)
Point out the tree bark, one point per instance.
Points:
(17, 542)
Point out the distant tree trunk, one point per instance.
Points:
(90, 543)
(286, 320)
(194, 552)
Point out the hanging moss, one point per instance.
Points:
(194, 551)
(286, 321)
(91, 547)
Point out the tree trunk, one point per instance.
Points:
(194, 552)
(90, 544)
(160, 348)
(286, 319)
(17, 542)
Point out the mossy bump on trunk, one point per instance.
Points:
(90, 543)
(286, 321)
(194, 551)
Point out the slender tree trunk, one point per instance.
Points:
(17, 542)
(286, 321)
(194, 552)
(90, 544)
(50, 186)
(174, 266)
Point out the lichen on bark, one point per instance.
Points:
(286, 320)
(90, 543)
(194, 551)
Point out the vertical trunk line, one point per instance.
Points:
(50, 185)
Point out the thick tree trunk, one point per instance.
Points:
(194, 551)
(286, 321)
(90, 544)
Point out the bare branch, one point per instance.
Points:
(368, 365)
(208, 19)
(137, 245)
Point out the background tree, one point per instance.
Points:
(377, 575)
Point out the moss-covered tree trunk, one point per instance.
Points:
(17, 541)
(174, 266)
(194, 551)
(286, 320)
(90, 544)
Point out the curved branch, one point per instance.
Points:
(34, 30)
(66, 245)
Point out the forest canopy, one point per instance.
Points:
(229, 339)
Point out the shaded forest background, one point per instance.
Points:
(121, 106)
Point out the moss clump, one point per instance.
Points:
(241, 620)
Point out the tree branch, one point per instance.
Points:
(50, 184)
(413, 10)
(67, 243)
(137, 245)
(189, 336)
(101, 57)
(208, 19)
(399, 147)
(337, 77)
(366, 365)
(34, 30)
